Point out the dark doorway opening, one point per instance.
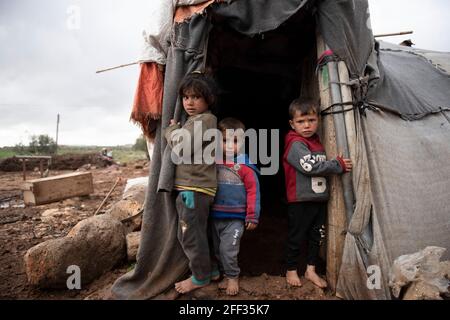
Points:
(258, 77)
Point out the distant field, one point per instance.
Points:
(121, 154)
(5, 153)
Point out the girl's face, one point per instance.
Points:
(193, 103)
(306, 125)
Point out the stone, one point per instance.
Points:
(127, 209)
(96, 245)
(70, 202)
(52, 216)
(85, 167)
(133, 240)
(422, 291)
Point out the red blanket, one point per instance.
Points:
(147, 106)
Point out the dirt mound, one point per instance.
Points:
(60, 162)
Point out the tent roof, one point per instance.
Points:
(413, 83)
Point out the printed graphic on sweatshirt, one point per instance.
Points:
(319, 184)
(308, 161)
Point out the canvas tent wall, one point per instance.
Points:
(387, 203)
(405, 163)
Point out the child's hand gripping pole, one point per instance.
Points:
(348, 164)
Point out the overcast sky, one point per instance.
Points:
(48, 62)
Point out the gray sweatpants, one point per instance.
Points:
(192, 234)
(226, 235)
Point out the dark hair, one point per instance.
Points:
(200, 84)
(304, 106)
(230, 123)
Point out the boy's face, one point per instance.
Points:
(305, 125)
(232, 145)
(193, 103)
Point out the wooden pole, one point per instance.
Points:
(393, 34)
(107, 196)
(118, 67)
(347, 96)
(57, 133)
(24, 167)
(337, 221)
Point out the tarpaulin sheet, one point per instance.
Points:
(346, 28)
(253, 17)
(410, 85)
(408, 197)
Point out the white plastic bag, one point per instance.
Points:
(423, 266)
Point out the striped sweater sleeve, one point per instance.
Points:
(251, 183)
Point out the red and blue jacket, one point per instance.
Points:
(238, 195)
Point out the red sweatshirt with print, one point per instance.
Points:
(306, 168)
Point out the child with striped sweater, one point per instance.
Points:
(236, 205)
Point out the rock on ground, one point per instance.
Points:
(95, 245)
(128, 208)
(133, 240)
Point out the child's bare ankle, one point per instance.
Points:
(293, 279)
(312, 276)
(233, 286)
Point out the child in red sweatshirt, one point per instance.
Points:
(306, 167)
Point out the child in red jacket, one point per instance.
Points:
(306, 166)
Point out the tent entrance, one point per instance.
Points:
(258, 77)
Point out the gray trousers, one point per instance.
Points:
(226, 235)
(192, 234)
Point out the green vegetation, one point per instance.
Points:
(6, 152)
(140, 144)
(42, 144)
(122, 154)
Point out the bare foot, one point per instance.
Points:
(223, 284)
(293, 279)
(186, 286)
(233, 287)
(312, 276)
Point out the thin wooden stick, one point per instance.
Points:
(107, 196)
(393, 34)
(121, 66)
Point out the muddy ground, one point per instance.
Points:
(22, 228)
